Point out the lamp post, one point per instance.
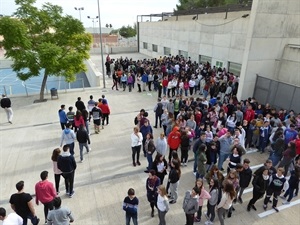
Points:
(93, 21)
(101, 47)
(79, 9)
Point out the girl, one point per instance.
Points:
(209, 134)
(150, 149)
(136, 143)
(231, 122)
(174, 177)
(288, 156)
(78, 119)
(226, 200)
(233, 178)
(162, 204)
(57, 172)
(260, 184)
(164, 120)
(203, 194)
(160, 166)
(184, 146)
(201, 161)
(212, 202)
(151, 186)
(234, 158)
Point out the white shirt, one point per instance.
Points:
(192, 83)
(162, 203)
(13, 219)
(136, 139)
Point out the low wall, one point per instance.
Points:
(114, 50)
(5, 63)
(92, 74)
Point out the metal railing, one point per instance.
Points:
(30, 88)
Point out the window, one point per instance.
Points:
(219, 64)
(234, 68)
(145, 45)
(167, 51)
(154, 48)
(183, 53)
(204, 59)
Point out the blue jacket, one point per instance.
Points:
(62, 116)
(145, 130)
(145, 78)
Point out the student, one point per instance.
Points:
(212, 202)
(278, 184)
(10, 219)
(174, 177)
(162, 204)
(60, 215)
(130, 206)
(293, 185)
(152, 183)
(190, 205)
(226, 200)
(245, 177)
(203, 194)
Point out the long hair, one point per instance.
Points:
(229, 189)
(78, 114)
(177, 167)
(163, 190)
(215, 185)
(55, 154)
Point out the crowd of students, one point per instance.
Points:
(219, 130)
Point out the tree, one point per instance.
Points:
(44, 40)
(127, 32)
(196, 4)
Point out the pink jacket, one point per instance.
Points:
(204, 195)
(44, 191)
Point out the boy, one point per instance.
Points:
(130, 206)
(245, 178)
(278, 184)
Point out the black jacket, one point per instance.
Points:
(259, 184)
(66, 163)
(245, 177)
(5, 103)
(82, 136)
(173, 176)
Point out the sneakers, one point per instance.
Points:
(282, 197)
(185, 164)
(286, 203)
(72, 194)
(275, 208)
(265, 207)
(196, 220)
(195, 173)
(172, 202)
(240, 200)
(208, 223)
(138, 163)
(248, 208)
(134, 164)
(81, 161)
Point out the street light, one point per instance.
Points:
(93, 21)
(102, 57)
(79, 9)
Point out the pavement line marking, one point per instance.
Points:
(271, 211)
(251, 151)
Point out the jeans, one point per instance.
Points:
(189, 219)
(174, 190)
(150, 161)
(87, 127)
(134, 219)
(157, 118)
(9, 113)
(269, 193)
(195, 163)
(69, 181)
(221, 215)
(57, 180)
(211, 212)
(289, 192)
(136, 151)
(162, 217)
(199, 213)
(34, 219)
(81, 145)
(275, 159)
(222, 158)
(71, 146)
(47, 206)
(105, 116)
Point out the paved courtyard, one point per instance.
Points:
(102, 180)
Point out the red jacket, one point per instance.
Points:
(198, 117)
(174, 139)
(105, 109)
(249, 115)
(44, 192)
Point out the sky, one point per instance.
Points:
(115, 12)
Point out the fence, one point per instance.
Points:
(278, 94)
(30, 88)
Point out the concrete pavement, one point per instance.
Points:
(102, 180)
